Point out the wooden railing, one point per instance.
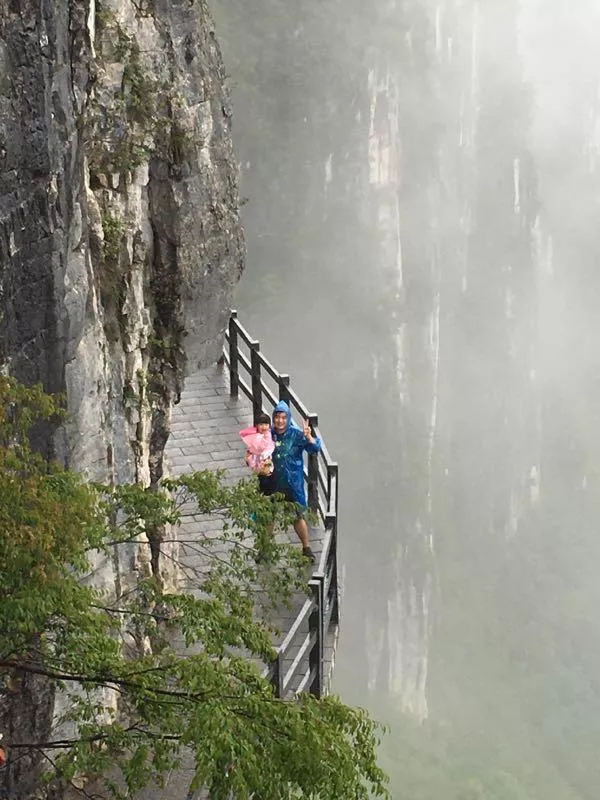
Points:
(257, 378)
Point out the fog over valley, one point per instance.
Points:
(421, 203)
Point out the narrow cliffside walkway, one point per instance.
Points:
(205, 435)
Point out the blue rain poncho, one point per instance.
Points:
(288, 459)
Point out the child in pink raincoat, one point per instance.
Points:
(260, 445)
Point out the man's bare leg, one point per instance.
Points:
(301, 529)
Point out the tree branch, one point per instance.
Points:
(109, 681)
(65, 744)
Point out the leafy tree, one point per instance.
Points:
(181, 665)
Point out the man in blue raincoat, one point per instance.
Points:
(288, 463)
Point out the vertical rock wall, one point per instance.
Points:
(120, 242)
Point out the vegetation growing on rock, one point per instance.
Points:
(212, 704)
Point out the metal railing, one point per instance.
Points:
(264, 386)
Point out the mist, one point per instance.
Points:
(421, 203)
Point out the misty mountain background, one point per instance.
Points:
(421, 184)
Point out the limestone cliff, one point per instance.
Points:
(120, 242)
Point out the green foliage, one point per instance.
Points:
(112, 229)
(111, 279)
(197, 690)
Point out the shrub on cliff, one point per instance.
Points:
(156, 678)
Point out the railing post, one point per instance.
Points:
(277, 679)
(234, 375)
(315, 625)
(313, 470)
(284, 388)
(332, 485)
(331, 523)
(256, 381)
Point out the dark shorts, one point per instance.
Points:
(268, 487)
(266, 484)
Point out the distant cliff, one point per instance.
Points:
(374, 144)
(120, 242)
(423, 182)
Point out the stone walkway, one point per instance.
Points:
(205, 435)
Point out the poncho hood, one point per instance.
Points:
(283, 406)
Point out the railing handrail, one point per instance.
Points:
(321, 607)
(294, 401)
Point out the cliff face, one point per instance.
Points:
(120, 242)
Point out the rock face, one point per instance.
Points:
(120, 242)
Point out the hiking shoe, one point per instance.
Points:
(308, 553)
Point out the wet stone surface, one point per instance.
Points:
(205, 435)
